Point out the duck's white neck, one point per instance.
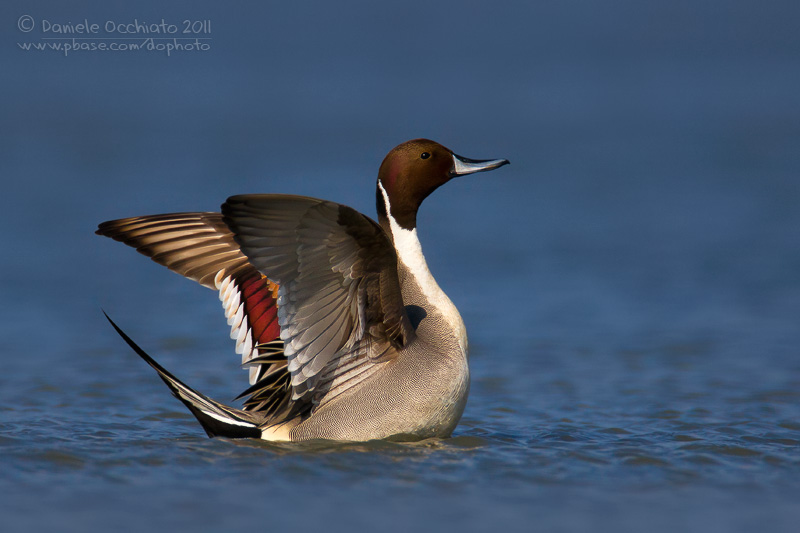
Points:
(409, 252)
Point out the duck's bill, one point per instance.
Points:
(463, 166)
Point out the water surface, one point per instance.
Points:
(630, 283)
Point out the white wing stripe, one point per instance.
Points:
(247, 348)
(230, 297)
(243, 331)
(233, 302)
(236, 320)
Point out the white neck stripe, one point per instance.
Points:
(409, 252)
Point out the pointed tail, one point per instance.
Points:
(218, 420)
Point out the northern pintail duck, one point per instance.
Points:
(344, 331)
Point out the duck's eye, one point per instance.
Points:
(425, 155)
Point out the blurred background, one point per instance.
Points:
(631, 282)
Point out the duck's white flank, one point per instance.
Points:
(277, 433)
(409, 251)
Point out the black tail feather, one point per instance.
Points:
(217, 419)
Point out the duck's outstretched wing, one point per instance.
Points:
(200, 247)
(340, 307)
(337, 314)
(195, 245)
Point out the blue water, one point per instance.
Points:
(630, 283)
